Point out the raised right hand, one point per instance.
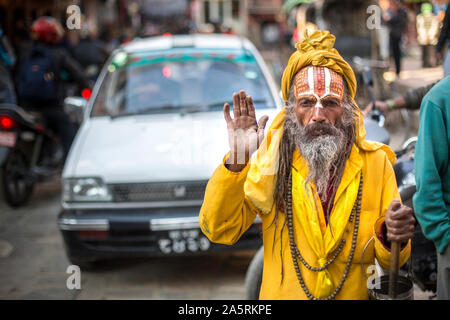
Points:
(244, 133)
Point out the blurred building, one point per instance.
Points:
(268, 23)
(16, 16)
(257, 19)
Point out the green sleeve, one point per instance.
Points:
(431, 161)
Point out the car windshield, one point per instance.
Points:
(179, 80)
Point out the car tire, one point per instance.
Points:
(253, 277)
(12, 198)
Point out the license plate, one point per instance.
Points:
(8, 139)
(180, 241)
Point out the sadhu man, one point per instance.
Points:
(327, 198)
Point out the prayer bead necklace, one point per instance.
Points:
(356, 210)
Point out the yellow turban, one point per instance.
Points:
(317, 50)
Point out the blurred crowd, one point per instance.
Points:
(403, 24)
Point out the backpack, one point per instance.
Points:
(36, 81)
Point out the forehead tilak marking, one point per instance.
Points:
(301, 81)
(319, 81)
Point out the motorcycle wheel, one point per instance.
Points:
(253, 277)
(15, 181)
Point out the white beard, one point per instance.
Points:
(322, 153)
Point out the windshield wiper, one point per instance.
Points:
(192, 109)
(182, 109)
(148, 110)
(221, 103)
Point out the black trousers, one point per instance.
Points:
(59, 122)
(56, 120)
(427, 56)
(394, 42)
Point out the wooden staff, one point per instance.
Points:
(393, 271)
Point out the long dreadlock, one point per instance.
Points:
(286, 149)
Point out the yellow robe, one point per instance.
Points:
(227, 213)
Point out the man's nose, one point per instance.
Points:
(318, 114)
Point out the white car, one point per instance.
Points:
(153, 132)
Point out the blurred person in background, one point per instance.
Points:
(383, 32)
(21, 39)
(427, 26)
(439, 7)
(303, 26)
(90, 51)
(7, 61)
(39, 81)
(396, 18)
(431, 160)
(110, 39)
(411, 100)
(444, 41)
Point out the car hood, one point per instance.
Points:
(144, 148)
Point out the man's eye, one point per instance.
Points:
(330, 103)
(307, 103)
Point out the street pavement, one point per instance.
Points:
(33, 264)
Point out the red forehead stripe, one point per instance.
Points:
(319, 80)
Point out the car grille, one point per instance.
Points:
(158, 191)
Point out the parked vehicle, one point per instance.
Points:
(152, 135)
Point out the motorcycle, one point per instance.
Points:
(29, 151)
(423, 262)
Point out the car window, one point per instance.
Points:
(185, 79)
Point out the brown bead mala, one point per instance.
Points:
(356, 210)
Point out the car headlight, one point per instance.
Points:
(85, 189)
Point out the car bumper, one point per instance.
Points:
(104, 233)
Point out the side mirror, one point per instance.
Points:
(74, 107)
